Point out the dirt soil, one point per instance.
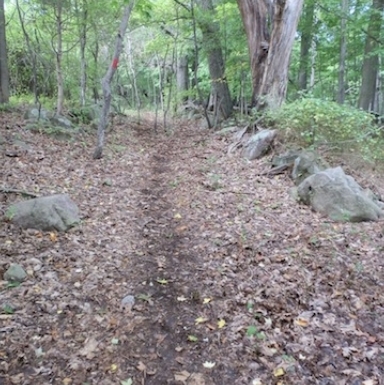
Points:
(187, 268)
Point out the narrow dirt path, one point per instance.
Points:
(233, 282)
(172, 266)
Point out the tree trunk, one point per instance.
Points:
(95, 71)
(306, 44)
(223, 107)
(59, 56)
(4, 74)
(371, 58)
(31, 52)
(83, 41)
(182, 78)
(106, 82)
(270, 27)
(343, 51)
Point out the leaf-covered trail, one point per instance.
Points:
(234, 282)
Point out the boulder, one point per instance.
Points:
(51, 213)
(259, 144)
(36, 113)
(286, 159)
(338, 196)
(61, 121)
(305, 165)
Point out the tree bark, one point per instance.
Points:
(371, 58)
(343, 52)
(270, 27)
(182, 78)
(59, 56)
(106, 82)
(306, 44)
(32, 53)
(223, 107)
(4, 74)
(83, 16)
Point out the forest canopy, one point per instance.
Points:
(223, 53)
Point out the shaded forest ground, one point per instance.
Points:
(234, 282)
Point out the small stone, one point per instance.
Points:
(15, 273)
(107, 182)
(128, 302)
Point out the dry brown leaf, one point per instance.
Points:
(141, 366)
(196, 379)
(89, 348)
(301, 322)
(182, 376)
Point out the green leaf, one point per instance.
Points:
(12, 284)
(128, 381)
(251, 331)
(8, 309)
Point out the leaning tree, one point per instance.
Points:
(270, 26)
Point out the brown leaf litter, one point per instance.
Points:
(287, 297)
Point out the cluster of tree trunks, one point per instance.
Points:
(270, 26)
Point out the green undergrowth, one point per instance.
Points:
(314, 123)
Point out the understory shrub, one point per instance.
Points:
(315, 122)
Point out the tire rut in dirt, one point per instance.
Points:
(166, 264)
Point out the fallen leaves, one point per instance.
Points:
(200, 320)
(207, 300)
(192, 338)
(279, 372)
(89, 349)
(221, 323)
(209, 364)
(128, 381)
(241, 285)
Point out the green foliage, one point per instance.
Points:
(10, 213)
(7, 309)
(252, 331)
(314, 122)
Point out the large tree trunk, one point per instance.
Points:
(106, 82)
(306, 44)
(270, 26)
(4, 75)
(343, 51)
(221, 97)
(371, 58)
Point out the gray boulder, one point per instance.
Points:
(338, 196)
(304, 165)
(36, 113)
(286, 159)
(56, 212)
(259, 144)
(61, 121)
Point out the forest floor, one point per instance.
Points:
(233, 281)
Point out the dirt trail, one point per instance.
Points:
(234, 282)
(170, 271)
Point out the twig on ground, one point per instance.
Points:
(15, 191)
